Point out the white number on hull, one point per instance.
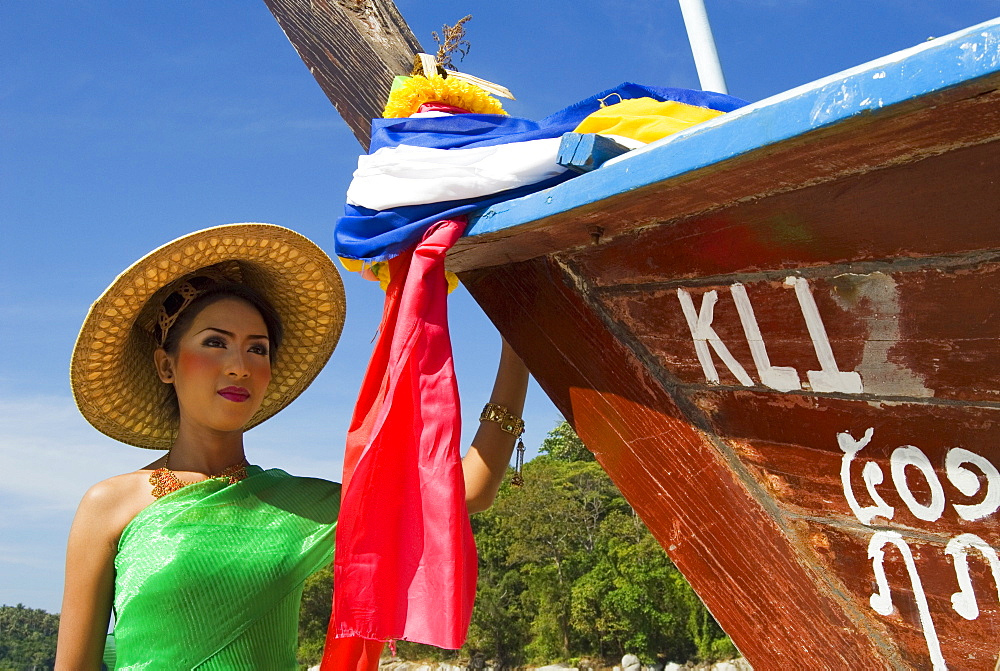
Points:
(704, 335)
(871, 474)
(966, 481)
(964, 600)
(829, 378)
(913, 456)
(881, 601)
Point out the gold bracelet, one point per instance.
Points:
(513, 425)
(508, 421)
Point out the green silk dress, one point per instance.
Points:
(210, 576)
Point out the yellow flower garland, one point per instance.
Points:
(379, 272)
(408, 96)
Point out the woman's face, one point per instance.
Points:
(221, 368)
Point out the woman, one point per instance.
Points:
(201, 555)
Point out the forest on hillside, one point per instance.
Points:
(567, 571)
(27, 638)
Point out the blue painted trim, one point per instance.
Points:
(929, 67)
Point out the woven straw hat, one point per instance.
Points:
(112, 372)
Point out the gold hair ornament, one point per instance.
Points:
(165, 321)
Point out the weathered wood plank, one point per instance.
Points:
(790, 445)
(685, 489)
(922, 616)
(909, 332)
(922, 333)
(909, 210)
(353, 48)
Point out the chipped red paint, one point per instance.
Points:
(935, 323)
(895, 212)
(964, 644)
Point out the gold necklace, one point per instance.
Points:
(165, 481)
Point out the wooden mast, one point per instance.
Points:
(353, 48)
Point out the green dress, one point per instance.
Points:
(210, 576)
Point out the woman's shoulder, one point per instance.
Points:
(119, 489)
(111, 504)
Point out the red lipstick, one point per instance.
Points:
(234, 394)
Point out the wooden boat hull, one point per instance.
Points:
(788, 362)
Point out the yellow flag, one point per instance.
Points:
(645, 119)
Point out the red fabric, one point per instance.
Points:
(405, 564)
(435, 106)
(351, 654)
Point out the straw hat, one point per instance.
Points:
(112, 372)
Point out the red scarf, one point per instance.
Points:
(406, 562)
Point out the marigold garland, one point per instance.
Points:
(417, 90)
(379, 272)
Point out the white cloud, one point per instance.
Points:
(50, 456)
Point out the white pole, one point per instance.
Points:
(706, 58)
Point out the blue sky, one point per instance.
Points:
(126, 124)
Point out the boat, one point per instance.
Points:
(776, 332)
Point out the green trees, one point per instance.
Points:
(567, 570)
(563, 444)
(27, 638)
(314, 615)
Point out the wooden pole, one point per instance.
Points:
(353, 48)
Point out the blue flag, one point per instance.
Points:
(374, 235)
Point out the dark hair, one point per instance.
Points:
(216, 293)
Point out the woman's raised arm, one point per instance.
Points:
(486, 461)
